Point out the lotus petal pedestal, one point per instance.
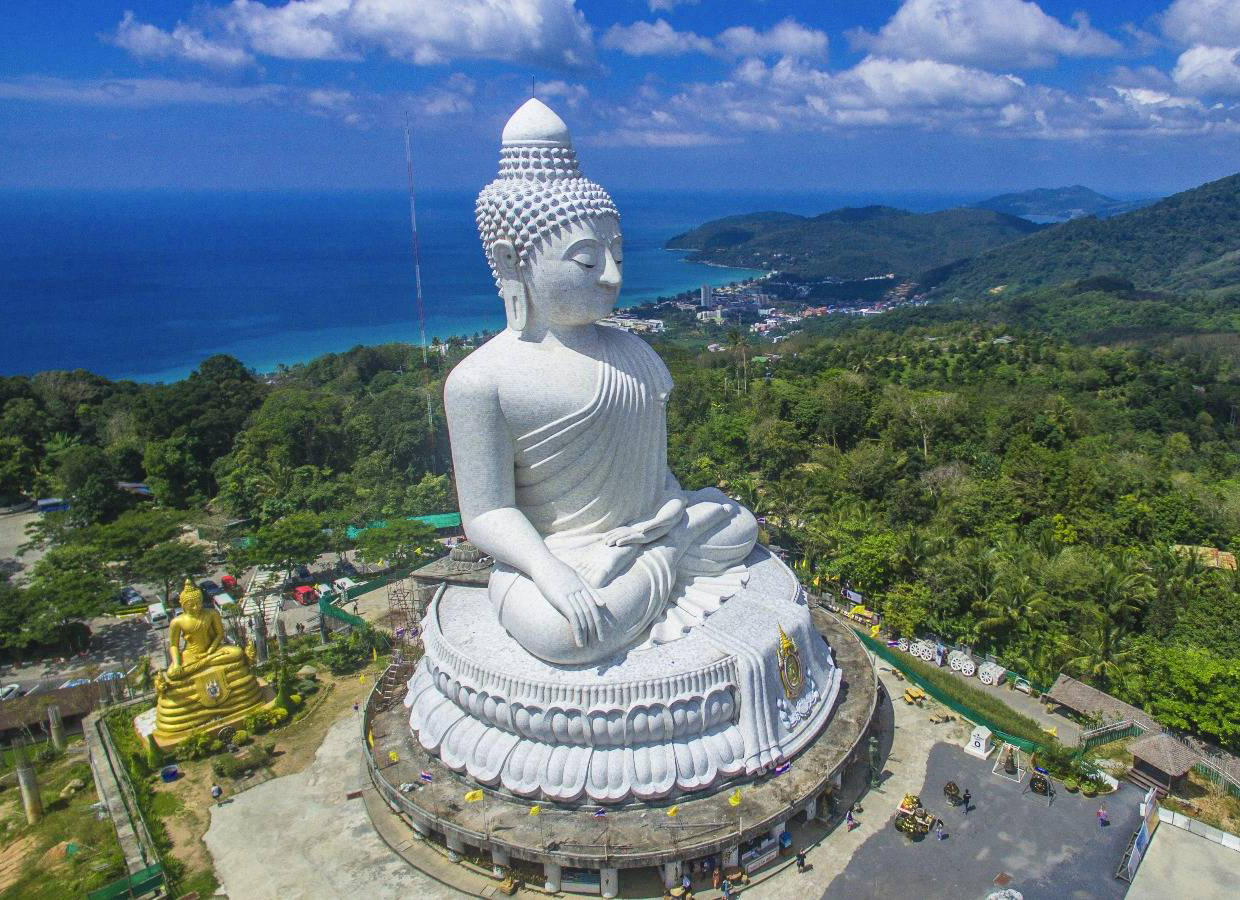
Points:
(743, 690)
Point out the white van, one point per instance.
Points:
(157, 615)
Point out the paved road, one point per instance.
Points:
(1053, 851)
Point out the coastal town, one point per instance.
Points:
(769, 308)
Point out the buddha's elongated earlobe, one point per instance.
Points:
(518, 309)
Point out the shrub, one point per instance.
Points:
(1071, 785)
(199, 745)
(228, 766)
(241, 737)
(295, 699)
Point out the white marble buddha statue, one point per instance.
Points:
(559, 430)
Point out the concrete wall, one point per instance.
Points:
(1201, 829)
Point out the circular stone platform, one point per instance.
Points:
(741, 691)
(630, 836)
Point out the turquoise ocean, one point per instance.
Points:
(145, 285)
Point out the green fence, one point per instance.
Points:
(899, 660)
(139, 884)
(1106, 737)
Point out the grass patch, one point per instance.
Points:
(67, 853)
(974, 702)
(1200, 798)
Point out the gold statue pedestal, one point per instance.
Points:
(209, 684)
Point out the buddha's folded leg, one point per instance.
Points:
(629, 603)
(718, 533)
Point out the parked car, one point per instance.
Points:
(9, 691)
(231, 585)
(209, 587)
(130, 596)
(75, 682)
(305, 595)
(157, 614)
(108, 676)
(344, 567)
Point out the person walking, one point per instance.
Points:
(716, 878)
(966, 797)
(938, 830)
(1103, 821)
(801, 861)
(727, 889)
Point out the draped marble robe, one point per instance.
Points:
(605, 466)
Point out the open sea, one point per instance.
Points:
(145, 285)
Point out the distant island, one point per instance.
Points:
(1062, 204)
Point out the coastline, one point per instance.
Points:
(255, 352)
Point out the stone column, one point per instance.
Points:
(324, 633)
(456, 846)
(732, 857)
(552, 873)
(56, 725)
(281, 634)
(260, 637)
(420, 830)
(608, 883)
(777, 829)
(671, 874)
(29, 783)
(500, 860)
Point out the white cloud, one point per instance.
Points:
(148, 42)
(1213, 22)
(551, 33)
(136, 92)
(1208, 71)
(656, 38)
(1011, 33)
(571, 94)
(788, 38)
(669, 5)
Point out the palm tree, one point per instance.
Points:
(738, 342)
(1100, 651)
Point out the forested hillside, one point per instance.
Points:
(1060, 204)
(1187, 242)
(1019, 496)
(851, 243)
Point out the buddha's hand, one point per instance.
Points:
(175, 670)
(650, 530)
(571, 598)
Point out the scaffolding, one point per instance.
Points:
(407, 602)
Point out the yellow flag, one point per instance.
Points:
(392, 756)
(672, 810)
(361, 679)
(473, 796)
(735, 798)
(874, 630)
(374, 654)
(535, 810)
(370, 739)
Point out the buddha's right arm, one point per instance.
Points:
(482, 454)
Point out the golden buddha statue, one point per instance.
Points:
(209, 683)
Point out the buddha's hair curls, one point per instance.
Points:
(539, 189)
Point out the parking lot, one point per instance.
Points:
(1048, 850)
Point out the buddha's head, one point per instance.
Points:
(552, 237)
(191, 598)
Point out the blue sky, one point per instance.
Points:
(1126, 96)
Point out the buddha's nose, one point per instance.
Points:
(611, 272)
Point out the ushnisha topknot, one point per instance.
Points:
(539, 187)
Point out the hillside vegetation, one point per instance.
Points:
(1187, 242)
(851, 243)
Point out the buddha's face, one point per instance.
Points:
(192, 604)
(574, 276)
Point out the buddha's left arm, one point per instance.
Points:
(217, 631)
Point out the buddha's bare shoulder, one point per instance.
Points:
(475, 376)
